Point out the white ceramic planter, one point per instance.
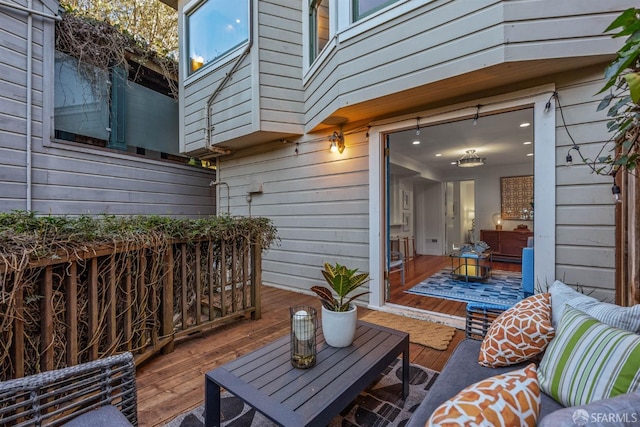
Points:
(339, 327)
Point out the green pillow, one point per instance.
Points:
(589, 361)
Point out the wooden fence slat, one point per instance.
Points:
(111, 303)
(212, 282)
(198, 290)
(94, 317)
(142, 300)
(245, 272)
(46, 320)
(183, 288)
(223, 279)
(234, 277)
(152, 287)
(167, 301)
(18, 332)
(71, 310)
(256, 280)
(128, 302)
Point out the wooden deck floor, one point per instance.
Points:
(174, 383)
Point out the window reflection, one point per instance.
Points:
(362, 8)
(215, 28)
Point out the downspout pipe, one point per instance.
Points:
(227, 77)
(29, 123)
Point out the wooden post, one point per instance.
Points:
(167, 301)
(628, 241)
(142, 299)
(256, 280)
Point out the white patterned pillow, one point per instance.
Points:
(589, 361)
(627, 318)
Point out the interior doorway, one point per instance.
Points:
(434, 203)
(459, 214)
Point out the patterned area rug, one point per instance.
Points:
(379, 405)
(504, 288)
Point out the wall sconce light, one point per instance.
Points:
(337, 142)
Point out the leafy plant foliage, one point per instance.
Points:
(343, 281)
(623, 82)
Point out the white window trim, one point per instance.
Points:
(342, 29)
(544, 172)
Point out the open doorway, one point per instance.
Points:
(459, 214)
(434, 203)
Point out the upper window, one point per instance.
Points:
(362, 8)
(318, 27)
(214, 28)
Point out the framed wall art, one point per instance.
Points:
(516, 197)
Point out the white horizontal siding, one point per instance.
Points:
(280, 62)
(317, 200)
(585, 208)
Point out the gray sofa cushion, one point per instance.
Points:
(462, 369)
(619, 411)
(105, 416)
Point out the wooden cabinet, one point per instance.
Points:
(506, 245)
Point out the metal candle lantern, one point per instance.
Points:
(303, 336)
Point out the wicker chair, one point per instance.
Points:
(98, 393)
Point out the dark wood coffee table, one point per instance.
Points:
(266, 380)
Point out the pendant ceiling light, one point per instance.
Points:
(470, 159)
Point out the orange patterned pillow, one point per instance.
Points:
(518, 334)
(511, 399)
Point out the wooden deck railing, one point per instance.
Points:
(82, 306)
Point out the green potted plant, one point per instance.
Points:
(339, 315)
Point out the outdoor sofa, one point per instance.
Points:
(100, 393)
(463, 373)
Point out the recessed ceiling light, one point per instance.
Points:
(525, 124)
(438, 155)
(454, 163)
(416, 142)
(527, 143)
(530, 154)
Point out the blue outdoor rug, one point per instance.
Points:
(504, 288)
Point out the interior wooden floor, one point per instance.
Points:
(417, 270)
(171, 384)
